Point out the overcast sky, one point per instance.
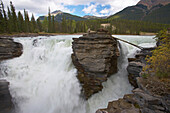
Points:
(77, 7)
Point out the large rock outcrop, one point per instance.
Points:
(8, 49)
(95, 57)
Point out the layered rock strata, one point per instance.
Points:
(95, 58)
(136, 64)
(8, 49)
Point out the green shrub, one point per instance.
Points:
(159, 63)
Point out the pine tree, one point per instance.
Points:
(53, 25)
(5, 21)
(9, 20)
(27, 22)
(20, 22)
(39, 25)
(49, 22)
(63, 25)
(33, 24)
(45, 24)
(1, 20)
(14, 18)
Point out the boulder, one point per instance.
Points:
(95, 58)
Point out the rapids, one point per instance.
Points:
(43, 79)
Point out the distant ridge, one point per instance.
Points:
(58, 15)
(157, 11)
(151, 3)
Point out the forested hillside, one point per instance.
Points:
(156, 14)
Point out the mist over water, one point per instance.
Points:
(43, 79)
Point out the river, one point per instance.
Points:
(43, 79)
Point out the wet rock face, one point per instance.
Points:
(9, 49)
(6, 104)
(136, 64)
(95, 57)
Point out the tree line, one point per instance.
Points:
(12, 22)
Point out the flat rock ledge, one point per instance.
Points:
(8, 49)
(95, 58)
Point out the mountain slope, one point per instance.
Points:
(151, 3)
(58, 15)
(161, 15)
(130, 13)
(146, 11)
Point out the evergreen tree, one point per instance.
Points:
(53, 25)
(33, 24)
(14, 18)
(9, 20)
(45, 24)
(20, 22)
(39, 25)
(5, 21)
(27, 22)
(63, 25)
(1, 20)
(49, 22)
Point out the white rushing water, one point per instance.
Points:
(43, 79)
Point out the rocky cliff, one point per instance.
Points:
(95, 58)
(8, 49)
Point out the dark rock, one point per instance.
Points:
(95, 57)
(119, 106)
(136, 65)
(6, 104)
(9, 49)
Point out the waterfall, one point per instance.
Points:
(43, 79)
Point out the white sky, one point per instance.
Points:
(40, 7)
